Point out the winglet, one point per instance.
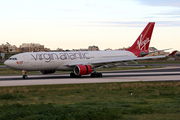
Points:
(174, 52)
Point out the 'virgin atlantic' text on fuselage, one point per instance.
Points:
(60, 56)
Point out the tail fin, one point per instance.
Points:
(173, 53)
(141, 45)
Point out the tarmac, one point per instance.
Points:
(169, 74)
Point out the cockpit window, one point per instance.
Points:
(12, 58)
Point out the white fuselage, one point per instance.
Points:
(61, 60)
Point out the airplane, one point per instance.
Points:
(83, 62)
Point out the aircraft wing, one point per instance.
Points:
(124, 59)
(114, 60)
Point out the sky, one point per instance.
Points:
(75, 24)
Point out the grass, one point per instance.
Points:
(149, 100)
(1, 63)
(9, 71)
(159, 61)
(125, 68)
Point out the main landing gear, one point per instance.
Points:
(96, 74)
(24, 74)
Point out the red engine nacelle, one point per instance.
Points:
(82, 69)
(47, 71)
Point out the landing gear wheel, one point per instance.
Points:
(95, 74)
(74, 75)
(25, 76)
(99, 74)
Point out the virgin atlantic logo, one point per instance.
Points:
(19, 62)
(142, 43)
(60, 56)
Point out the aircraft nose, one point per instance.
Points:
(6, 63)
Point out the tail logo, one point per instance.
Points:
(142, 44)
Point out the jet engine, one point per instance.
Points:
(47, 71)
(82, 70)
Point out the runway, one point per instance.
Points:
(158, 74)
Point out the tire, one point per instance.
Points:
(92, 74)
(99, 74)
(96, 74)
(25, 77)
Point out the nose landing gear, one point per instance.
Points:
(24, 74)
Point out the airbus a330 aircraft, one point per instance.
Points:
(83, 62)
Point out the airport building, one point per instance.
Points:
(33, 47)
(8, 48)
(3, 48)
(93, 48)
(25, 47)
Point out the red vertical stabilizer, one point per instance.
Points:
(141, 45)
